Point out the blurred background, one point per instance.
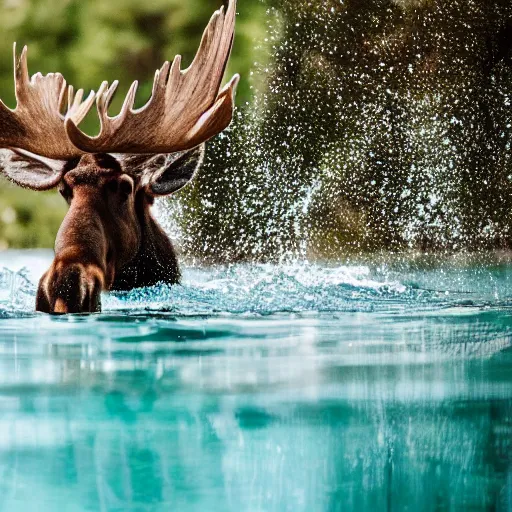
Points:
(361, 125)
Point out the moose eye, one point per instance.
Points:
(66, 191)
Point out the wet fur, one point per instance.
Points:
(156, 261)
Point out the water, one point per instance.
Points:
(262, 388)
(372, 125)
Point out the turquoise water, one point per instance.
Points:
(262, 388)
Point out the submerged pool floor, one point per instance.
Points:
(300, 388)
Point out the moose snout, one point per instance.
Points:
(72, 288)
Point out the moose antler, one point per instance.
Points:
(36, 124)
(185, 109)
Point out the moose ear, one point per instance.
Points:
(176, 173)
(31, 171)
(164, 174)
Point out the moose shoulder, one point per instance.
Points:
(109, 239)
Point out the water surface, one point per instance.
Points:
(254, 388)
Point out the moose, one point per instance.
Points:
(109, 239)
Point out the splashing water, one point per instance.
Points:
(241, 289)
(373, 125)
(265, 289)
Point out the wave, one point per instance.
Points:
(295, 288)
(268, 289)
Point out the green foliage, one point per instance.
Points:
(29, 219)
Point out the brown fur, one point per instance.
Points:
(109, 239)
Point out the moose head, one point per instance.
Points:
(109, 239)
